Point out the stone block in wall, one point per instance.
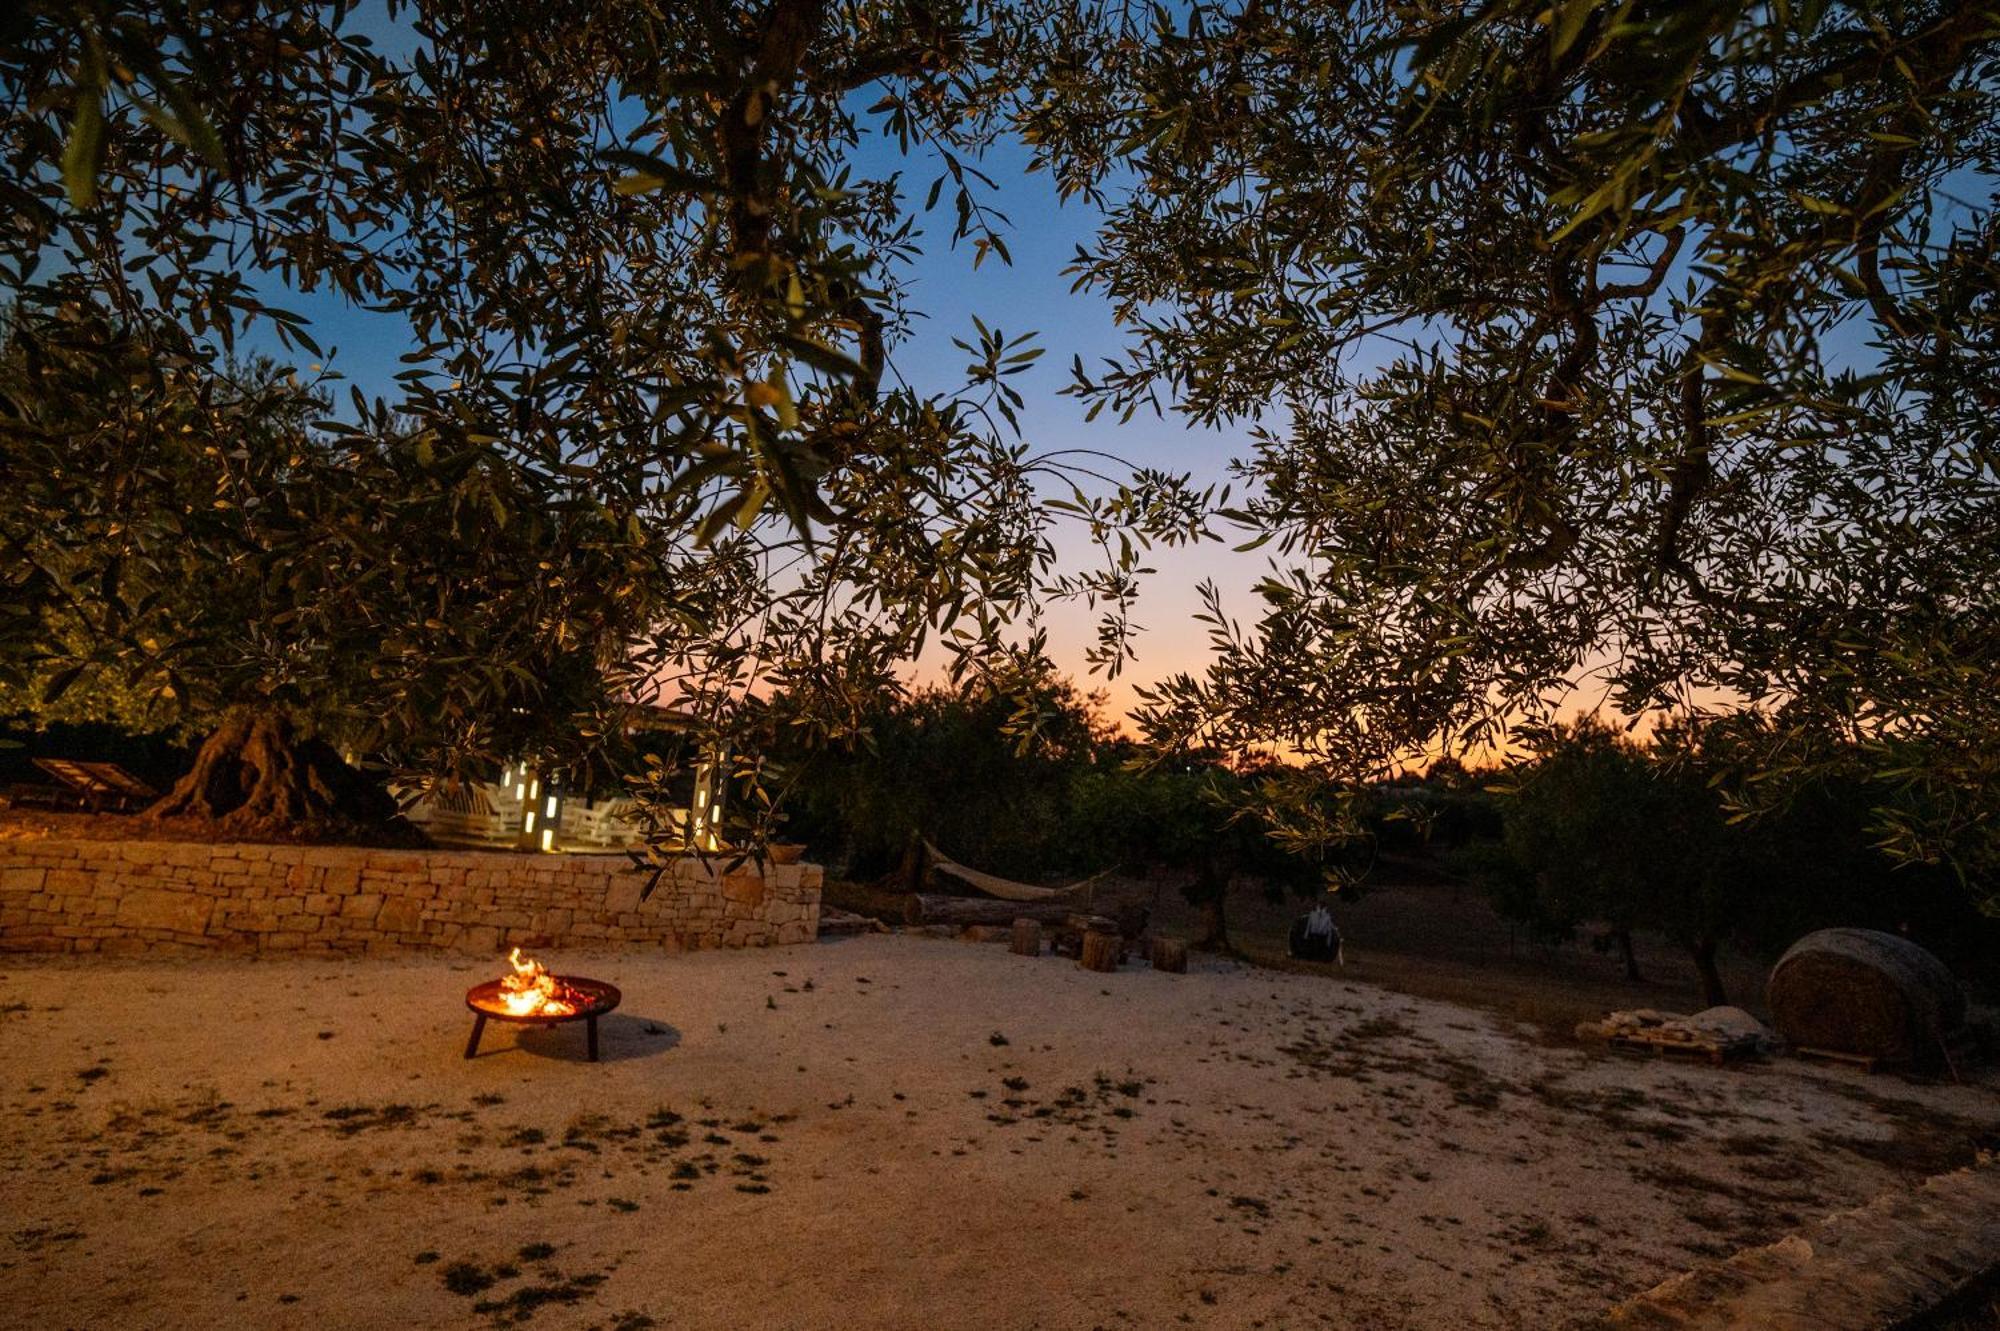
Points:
(745, 889)
(361, 906)
(622, 894)
(22, 878)
(261, 917)
(400, 915)
(152, 908)
(480, 938)
(68, 881)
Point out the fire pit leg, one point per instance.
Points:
(590, 1029)
(478, 1028)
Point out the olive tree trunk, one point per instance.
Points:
(1703, 949)
(1623, 937)
(259, 775)
(1209, 892)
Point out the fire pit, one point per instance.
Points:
(531, 996)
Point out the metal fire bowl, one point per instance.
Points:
(593, 999)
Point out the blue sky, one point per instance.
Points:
(1033, 295)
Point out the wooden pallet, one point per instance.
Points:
(1716, 1052)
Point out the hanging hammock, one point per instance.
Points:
(1006, 888)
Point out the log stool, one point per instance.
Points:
(1101, 951)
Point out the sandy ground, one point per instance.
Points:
(1432, 937)
(879, 1132)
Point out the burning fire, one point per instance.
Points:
(532, 992)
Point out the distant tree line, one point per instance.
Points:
(1589, 834)
(1026, 780)
(1599, 832)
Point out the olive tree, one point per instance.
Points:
(648, 440)
(1599, 829)
(1641, 352)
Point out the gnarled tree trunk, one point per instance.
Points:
(258, 775)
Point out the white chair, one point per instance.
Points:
(609, 823)
(470, 814)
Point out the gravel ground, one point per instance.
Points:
(882, 1132)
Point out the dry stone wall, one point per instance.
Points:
(1902, 1261)
(126, 897)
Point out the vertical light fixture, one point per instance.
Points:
(706, 814)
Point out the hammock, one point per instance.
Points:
(1006, 888)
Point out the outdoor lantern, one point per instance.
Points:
(705, 817)
(551, 818)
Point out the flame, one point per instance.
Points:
(532, 992)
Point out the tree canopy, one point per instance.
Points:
(649, 425)
(1642, 347)
(1642, 352)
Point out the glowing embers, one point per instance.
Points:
(532, 992)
